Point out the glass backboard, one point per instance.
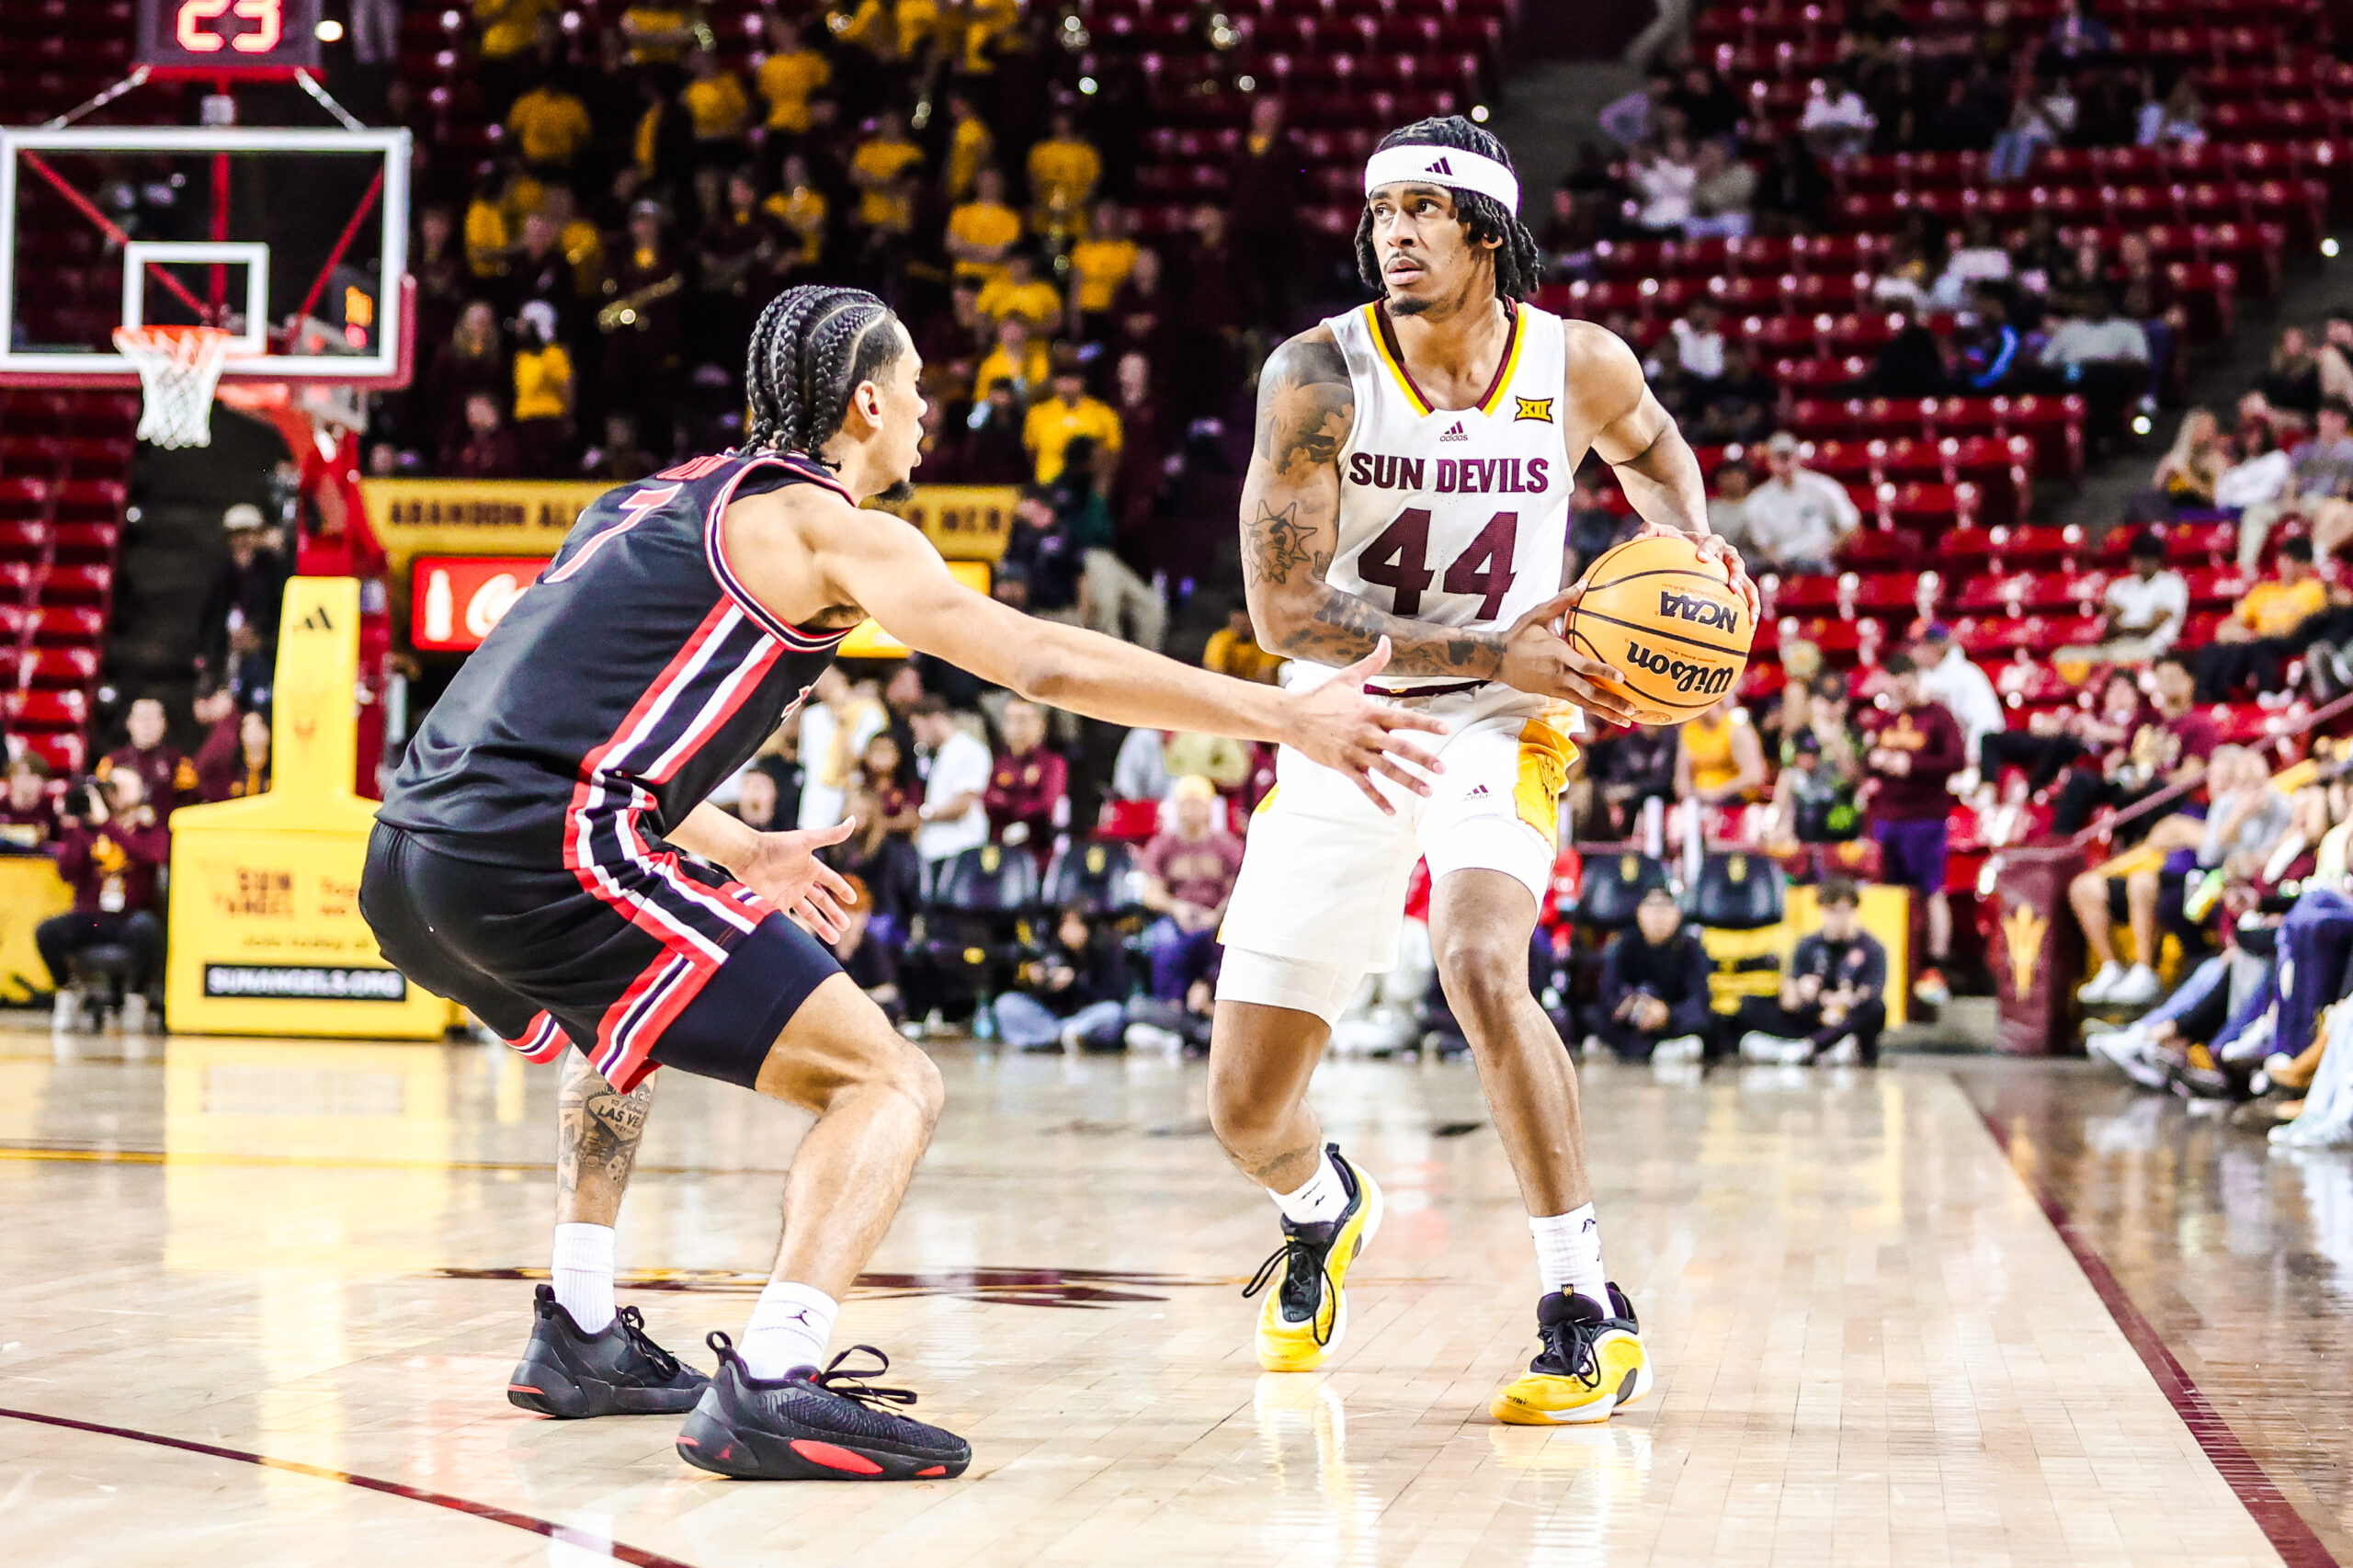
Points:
(294, 240)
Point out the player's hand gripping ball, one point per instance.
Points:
(1664, 616)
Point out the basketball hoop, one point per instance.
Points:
(179, 369)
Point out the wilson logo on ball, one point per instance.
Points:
(1707, 680)
(1699, 611)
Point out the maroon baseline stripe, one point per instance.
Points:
(585, 1539)
(2292, 1538)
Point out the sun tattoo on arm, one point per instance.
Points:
(1278, 544)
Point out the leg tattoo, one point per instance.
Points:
(596, 1143)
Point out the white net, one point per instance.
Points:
(179, 367)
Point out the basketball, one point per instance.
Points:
(1657, 611)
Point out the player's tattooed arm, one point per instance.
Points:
(1290, 530)
(599, 1131)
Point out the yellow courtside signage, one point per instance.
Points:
(266, 932)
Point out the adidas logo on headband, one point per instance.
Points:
(1449, 165)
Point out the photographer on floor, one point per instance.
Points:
(1830, 1011)
(1654, 986)
(111, 850)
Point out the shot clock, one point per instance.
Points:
(229, 38)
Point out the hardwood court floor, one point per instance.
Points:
(1873, 1344)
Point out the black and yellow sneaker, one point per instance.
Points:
(1307, 1313)
(813, 1425)
(1593, 1363)
(568, 1373)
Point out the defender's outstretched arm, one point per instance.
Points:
(890, 569)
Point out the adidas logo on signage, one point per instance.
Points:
(1439, 167)
(1454, 432)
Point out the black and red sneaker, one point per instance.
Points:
(813, 1425)
(569, 1372)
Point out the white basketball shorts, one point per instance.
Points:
(1325, 871)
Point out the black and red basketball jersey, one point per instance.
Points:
(619, 690)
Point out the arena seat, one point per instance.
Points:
(1615, 881)
(1093, 874)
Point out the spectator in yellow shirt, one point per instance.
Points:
(509, 28)
(985, 21)
(1019, 360)
(550, 125)
(717, 107)
(1233, 650)
(543, 392)
(1071, 412)
(1101, 262)
(981, 231)
(489, 242)
(918, 26)
(882, 168)
(971, 145)
(658, 34)
(1021, 294)
(1064, 169)
(790, 77)
(801, 207)
(2263, 627)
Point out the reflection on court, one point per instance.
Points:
(1872, 1346)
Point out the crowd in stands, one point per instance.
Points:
(109, 833)
(588, 288)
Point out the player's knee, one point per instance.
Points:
(1486, 980)
(1239, 1113)
(915, 1077)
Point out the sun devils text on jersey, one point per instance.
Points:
(1458, 517)
(517, 865)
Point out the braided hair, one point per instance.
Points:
(1516, 272)
(813, 347)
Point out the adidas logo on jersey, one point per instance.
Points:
(1477, 791)
(1454, 432)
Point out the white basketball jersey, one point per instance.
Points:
(1458, 516)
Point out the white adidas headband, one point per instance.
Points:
(1443, 165)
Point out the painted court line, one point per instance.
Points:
(583, 1539)
(2290, 1535)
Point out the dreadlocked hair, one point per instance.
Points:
(1516, 272)
(813, 346)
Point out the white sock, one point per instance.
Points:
(584, 1275)
(790, 1326)
(1568, 1254)
(1322, 1198)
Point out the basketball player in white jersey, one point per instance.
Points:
(1411, 480)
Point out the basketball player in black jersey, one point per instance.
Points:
(545, 855)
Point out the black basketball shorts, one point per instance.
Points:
(617, 969)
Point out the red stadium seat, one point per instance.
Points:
(1962, 551)
(65, 623)
(78, 585)
(1898, 597)
(59, 666)
(1800, 596)
(2033, 545)
(41, 707)
(63, 752)
(1874, 549)
(2216, 587)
